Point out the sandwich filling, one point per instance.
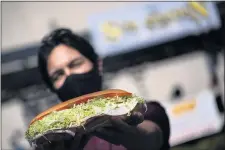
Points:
(78, 114)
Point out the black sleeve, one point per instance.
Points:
(157, 114)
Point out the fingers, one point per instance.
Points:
(135, 118)
(121, 128)
(79, 141)
(75, 144)
(109, 135)
(57, 145)
(127, 124)
(84, 141)
(120, 124)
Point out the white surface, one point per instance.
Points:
(28, 22)
(189, 71)
(12, 120)
(203, 120)
(123, 80)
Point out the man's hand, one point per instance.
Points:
(133, 134)
(76, 143)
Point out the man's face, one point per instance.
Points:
(64, 61)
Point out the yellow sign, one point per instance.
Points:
(129, 26)
(113, 30)
(199, 7)
(191, 11)
(184, 107)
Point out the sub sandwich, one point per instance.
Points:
(82, 114)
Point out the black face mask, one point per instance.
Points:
(80, 84)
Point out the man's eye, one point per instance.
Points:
(75, 64)
(56, 77)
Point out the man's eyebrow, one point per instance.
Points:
(75, 59)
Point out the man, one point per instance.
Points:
(71, 68)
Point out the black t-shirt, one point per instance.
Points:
(157, 114)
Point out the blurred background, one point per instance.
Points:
(173, 53)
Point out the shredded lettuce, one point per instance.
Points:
(77, 115)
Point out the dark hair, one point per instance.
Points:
(57, 37)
